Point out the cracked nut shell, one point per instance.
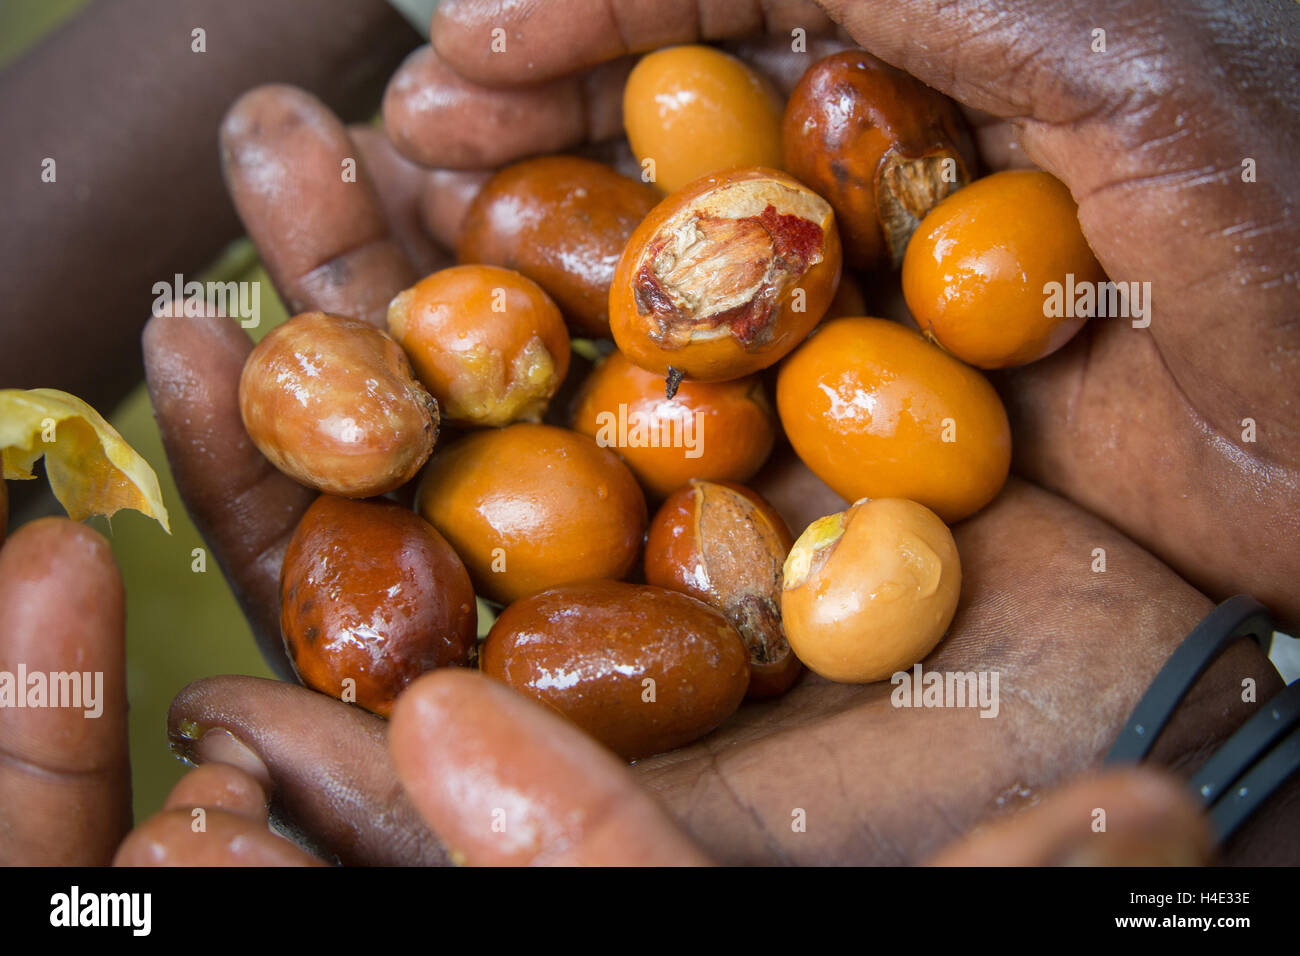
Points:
(880, 145)
(870, 591)
(725, 276)
(722, 543)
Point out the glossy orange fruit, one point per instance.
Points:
(979, 270)
(531, 507)
(716, 430)
(486, 342)
(694, 110)
(876, 411)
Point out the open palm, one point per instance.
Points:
(1137, 431)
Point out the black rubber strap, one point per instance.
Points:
(1253, 789)
(1273, 721)
(1232, 620)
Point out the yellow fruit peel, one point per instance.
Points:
(92, 470)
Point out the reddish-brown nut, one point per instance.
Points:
(332, 403)
(371, 593)
(640, 668)
(725, 276)
(880, 145)
(563, 222)
(487, 342)
(722, 543)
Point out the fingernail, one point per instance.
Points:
(219, 745)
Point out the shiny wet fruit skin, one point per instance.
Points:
(870, 591)
(874, 141)
(695, 110)
(485, 341)
(531, 507)
(722, 543)
(642, 669)
(717, 430)
(977, 269)
(333, 403)
(371, 592)
(725, 276)
(876, 411)
(561, 221)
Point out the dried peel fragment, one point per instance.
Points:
(91, 468)
(909, 187)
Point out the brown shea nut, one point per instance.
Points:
(870, 591)
(487, 342)
(640, 668)
(563, 222)
(371, 592)
(722, 543)
(332, 403)
(531, 507)
(880, 145)
(725, 276)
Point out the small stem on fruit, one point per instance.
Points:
(675, 376)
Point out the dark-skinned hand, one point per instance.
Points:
(1128, 439)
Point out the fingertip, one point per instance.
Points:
(504, 781)
(1132, 816)
(220, 786)
(60, 543)
(434, 116)
(503, 47)
(261, 110)
(200, 836)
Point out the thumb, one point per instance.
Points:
(505, 782)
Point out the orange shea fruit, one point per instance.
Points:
(876, 411)
(979, 271)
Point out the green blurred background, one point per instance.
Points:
(181, 625)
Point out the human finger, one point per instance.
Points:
(505, 782)
(1138, 816)
(65, 786)
(400, 185)
(310, 206)
(331, 777)
(439, 119)
(219, 786)
(245, 509)
(499, 44)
